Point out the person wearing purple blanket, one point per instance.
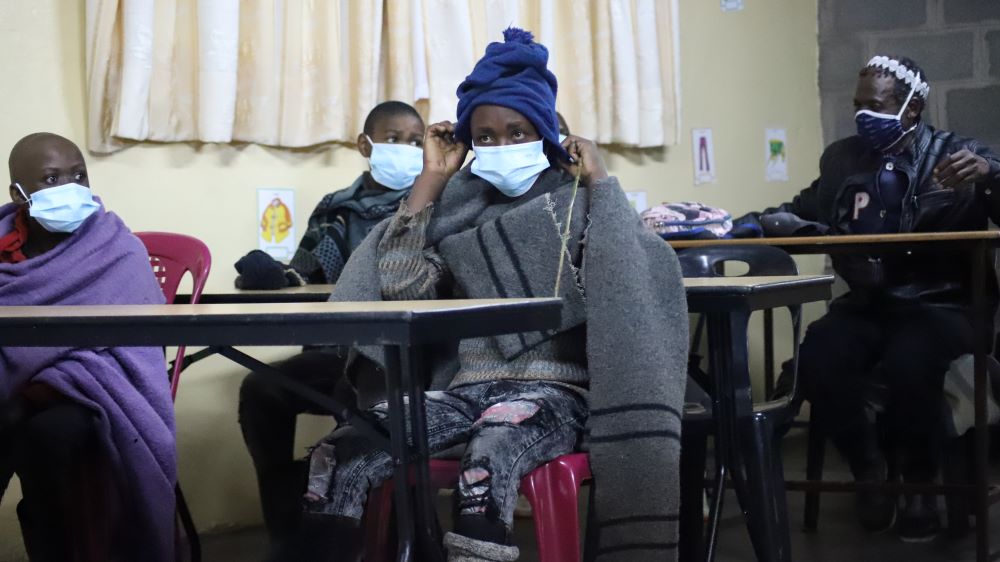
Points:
(89, 431)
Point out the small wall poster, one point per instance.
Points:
(776, 154)
(704, 156)
(276, 222)
(732, 5)
(637, 199)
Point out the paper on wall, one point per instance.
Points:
(776, 155)
(637, 199)
(704, 156)
(732, 5)
(276, 222)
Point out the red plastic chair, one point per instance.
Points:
(552, 490)
(172, 256)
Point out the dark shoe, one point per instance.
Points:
(876, 511)
(919, 521)
(321, 538)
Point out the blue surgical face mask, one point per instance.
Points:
(395, 166)
(882, 131)
(513, 168)
(62, 208)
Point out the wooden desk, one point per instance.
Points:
(978, 245)
(403, 327)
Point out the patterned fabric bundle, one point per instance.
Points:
(687, 219)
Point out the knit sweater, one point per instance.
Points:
(409, 272)
(337, 226)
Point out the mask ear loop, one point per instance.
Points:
(909, 97)
(902, 110)
(21, 191)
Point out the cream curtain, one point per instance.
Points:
(296, 73)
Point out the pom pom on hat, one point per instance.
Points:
(518, 35)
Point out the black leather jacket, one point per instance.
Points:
(934, 278)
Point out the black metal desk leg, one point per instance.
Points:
(768, 353)
(720, 365)
(400, 454)
(981, 331)
(754, 451)
(428, 531)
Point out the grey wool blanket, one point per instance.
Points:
(622, 285)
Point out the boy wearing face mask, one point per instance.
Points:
(392, 143)
(615, 366)
(907, 315)
(90, 432)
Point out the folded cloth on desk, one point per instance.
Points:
(126, 387)
(788, 224)
(696, 221)
(258, 270)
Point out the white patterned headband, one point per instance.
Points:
(920, 87)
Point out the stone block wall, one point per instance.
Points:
(957, 42)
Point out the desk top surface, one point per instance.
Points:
(322, 323)
(384, 310)
(692, 284)
(333, 310)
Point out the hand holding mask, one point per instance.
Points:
(587, 160)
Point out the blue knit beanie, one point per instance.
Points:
(512, 74)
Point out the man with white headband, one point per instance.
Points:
(882, 350)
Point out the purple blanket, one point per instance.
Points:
(103, 263)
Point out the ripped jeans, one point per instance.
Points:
(511, 427)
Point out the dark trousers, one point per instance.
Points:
(267, 417)
(864, 357)
(53, 453)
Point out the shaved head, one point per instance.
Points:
(42, 160)
(31, 144)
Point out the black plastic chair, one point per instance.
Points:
(761, 488)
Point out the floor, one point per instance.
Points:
(839, 538)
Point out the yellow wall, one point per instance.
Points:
(741, 72)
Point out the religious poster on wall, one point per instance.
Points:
(704, 156)
(276, 222)
(776, 155)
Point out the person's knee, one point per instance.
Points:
(820, 379)
(915, 371)
(59, 434)
(258, 393)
